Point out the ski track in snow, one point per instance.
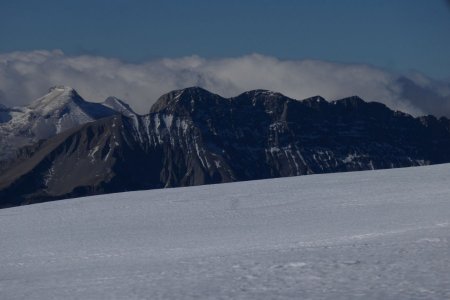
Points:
(361, 235)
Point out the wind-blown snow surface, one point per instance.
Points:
(368, 235)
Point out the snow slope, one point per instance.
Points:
(57, 111)
(362, 235)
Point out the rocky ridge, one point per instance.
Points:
(193, 137)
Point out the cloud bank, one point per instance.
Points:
(25, 76)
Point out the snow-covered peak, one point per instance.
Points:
(56, 98)
(63, 88)
(59, 110)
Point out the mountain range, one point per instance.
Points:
(62, 146)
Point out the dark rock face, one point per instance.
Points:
(193, 137)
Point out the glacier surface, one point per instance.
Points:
(360, 235)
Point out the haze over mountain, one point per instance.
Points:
(193, 137)
(141, 83)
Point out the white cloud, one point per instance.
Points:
(25, 76)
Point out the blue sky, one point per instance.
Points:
(392, 34)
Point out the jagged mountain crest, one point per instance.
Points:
(192, 137)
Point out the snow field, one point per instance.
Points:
(361, 235)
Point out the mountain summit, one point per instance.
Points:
(61, 109)
(57, 98)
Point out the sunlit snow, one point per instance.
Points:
(362, 235)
